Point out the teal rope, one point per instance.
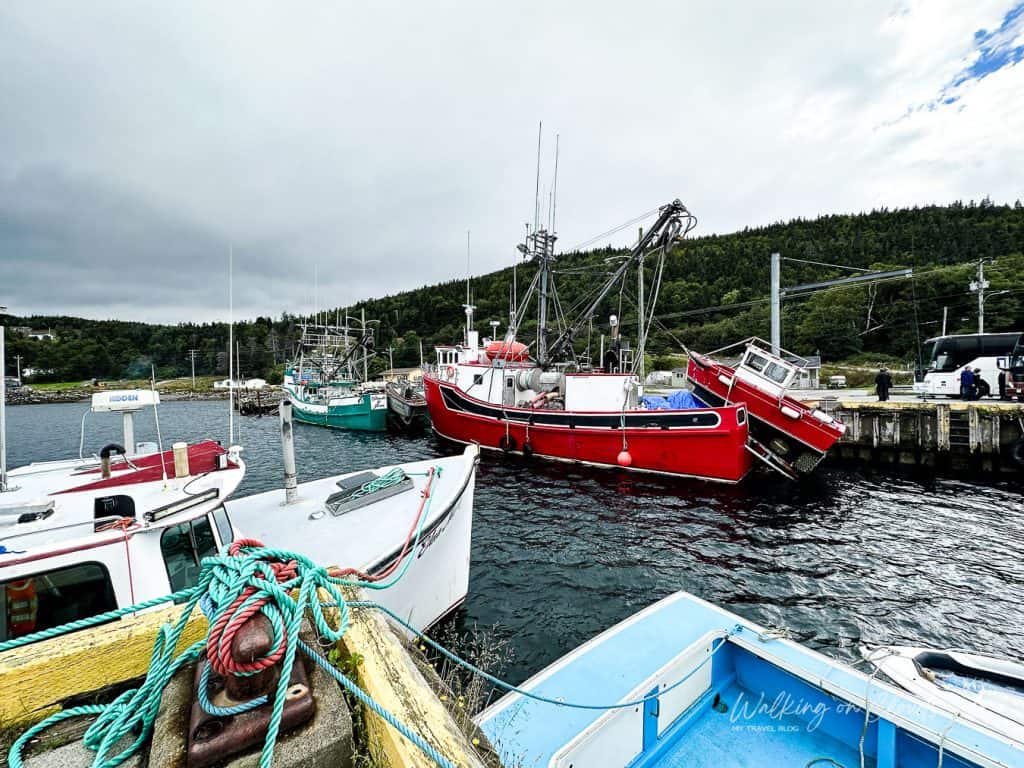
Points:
(497, 682)
(358, 692)
(92, 621)
(394, 477)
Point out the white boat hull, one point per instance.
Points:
(435, 572)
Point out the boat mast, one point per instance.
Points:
(468, 306)
(3, 407)
(666, 228)
(641, 336)
(231, 344)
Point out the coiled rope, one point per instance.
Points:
(232, 588)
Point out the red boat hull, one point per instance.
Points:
(704, 443)
(807, 437)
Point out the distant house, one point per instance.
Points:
(29, 372)
(402, 374)
(33, 333)
(240, 384)
(810, 374)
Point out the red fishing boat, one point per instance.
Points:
(554, 404)
(784, 432)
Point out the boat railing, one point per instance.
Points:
(95, 523)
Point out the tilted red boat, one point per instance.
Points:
(553, 406)
(784, 432)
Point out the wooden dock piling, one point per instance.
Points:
(983, 436)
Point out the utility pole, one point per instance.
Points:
(776, 304)
(18, 358)
(980, 285)
(3, 407)
(192, 356)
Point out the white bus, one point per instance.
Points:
(947, 356)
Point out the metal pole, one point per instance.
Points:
(3, 409)
(945, 313)
(981, 297)
(231, 344)
(776, 304)
(291, 490)
(640, 336)
(18, 371)
(362, 330)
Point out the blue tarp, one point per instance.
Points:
(679, 400)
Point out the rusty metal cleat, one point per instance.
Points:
(212, 739)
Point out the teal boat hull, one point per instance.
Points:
(359, 416)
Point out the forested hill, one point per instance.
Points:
(714, 292)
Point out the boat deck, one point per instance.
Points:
(612, 666)
(757, 740)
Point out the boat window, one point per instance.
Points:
(183, 547)
(51, 598)
(478, 378)
(223, 523)
(776, 372)
(756, 362)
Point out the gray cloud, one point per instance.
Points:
(140, 140)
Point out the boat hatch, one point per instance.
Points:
(359, 491)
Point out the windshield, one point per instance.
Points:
(1017, 361)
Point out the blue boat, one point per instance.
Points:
(685, 683)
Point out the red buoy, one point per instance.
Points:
(625, 459)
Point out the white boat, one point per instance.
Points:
(687, 683)
(985, 690)
(380, 524)
(83, 536)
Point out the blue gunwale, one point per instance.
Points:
(611, 666)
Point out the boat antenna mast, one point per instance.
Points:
(673, 222)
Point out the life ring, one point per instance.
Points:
(22, 607)
(1017, 451)
(507, 443)
(527, 449)
(449, 373)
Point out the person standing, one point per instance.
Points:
(981, 387)
(1002, 384)
(966, 384)
(883, 383)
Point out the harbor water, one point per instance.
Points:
(561, 552)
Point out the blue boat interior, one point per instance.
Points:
(714, 691)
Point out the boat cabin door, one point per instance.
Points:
(508, 392)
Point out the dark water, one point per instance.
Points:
(562, 552)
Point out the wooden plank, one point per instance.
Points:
(389, 675)
(37, 678)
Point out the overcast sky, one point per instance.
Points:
(138, 140)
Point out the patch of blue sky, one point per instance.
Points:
(996, 49)
(992, 51)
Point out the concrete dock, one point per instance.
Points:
(984, 436)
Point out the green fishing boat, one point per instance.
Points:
(323, 384)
